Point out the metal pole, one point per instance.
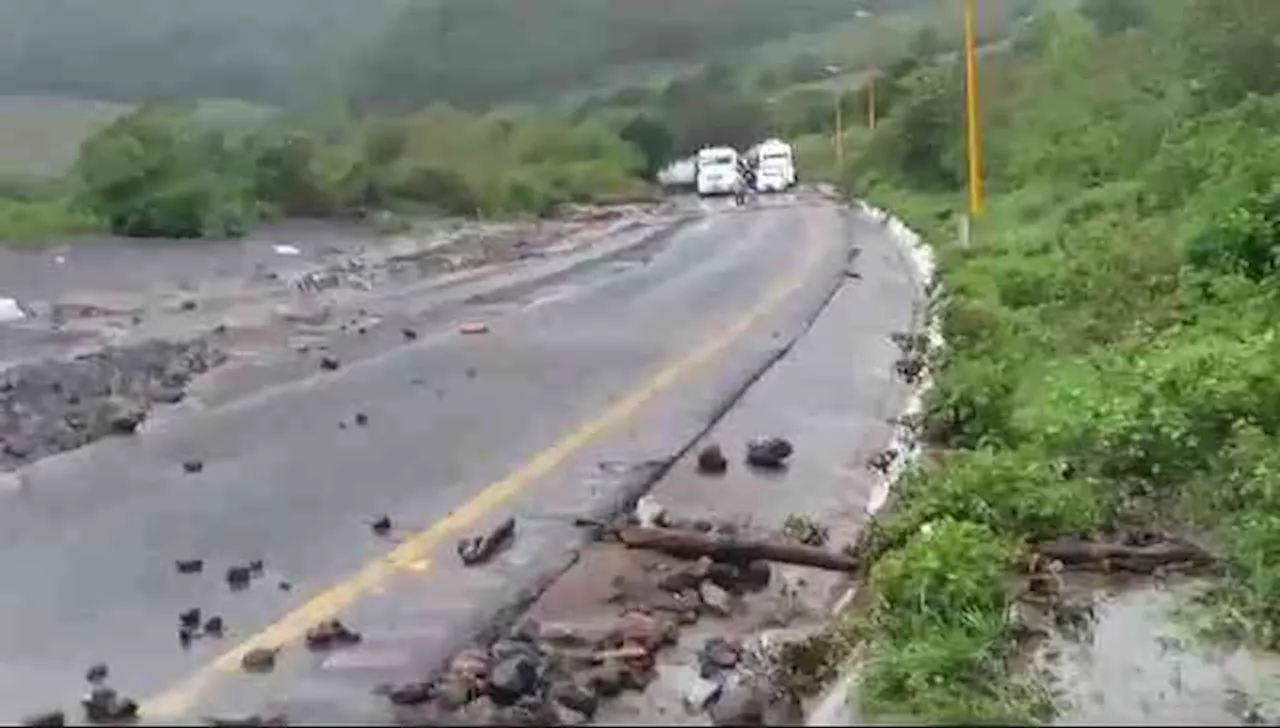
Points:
(974, 138)
(839, 138)
(871, 103)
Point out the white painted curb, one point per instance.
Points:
(833, 709)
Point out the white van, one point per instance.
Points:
(718, 171)
(775, 166)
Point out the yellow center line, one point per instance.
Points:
(411, 555)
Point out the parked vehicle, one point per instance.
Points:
(773, 162)
(718, 171)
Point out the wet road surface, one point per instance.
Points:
(622, 363)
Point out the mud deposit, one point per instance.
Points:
(53, 406)
(1138, 664)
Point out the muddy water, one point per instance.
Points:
(1141, 666)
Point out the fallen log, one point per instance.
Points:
(477, 550)
(695, 544)
(1125, 557)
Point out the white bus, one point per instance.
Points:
(774, 164)
(718, 171)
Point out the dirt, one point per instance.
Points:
(1135, 662)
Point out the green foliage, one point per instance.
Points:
(1111, 337)
(154, 174)
(940, 630)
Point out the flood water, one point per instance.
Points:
(1140, 665)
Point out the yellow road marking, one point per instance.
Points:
(411, 554)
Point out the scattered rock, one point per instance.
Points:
(260, 659)
(742, 702)
(193, 466)
(685, 576)
(699, 692)
(284, 586)
(330, 363)
(124, 417)
(329, 634)
(190, 618)
(883, 460)
(185, 635)
(768, 452)
(188, 305)
(473, 328)
(480, 549)
(381, 526)
(103, 705)
(214, 627)
(96, 673)
(711, 460)
(645, 630)
(757, 575)
(257, 567)
(718, 654)
(606, 680)
(238, 577)
(409, 334)
(362, 420)
(575, 697)
(51, 719)
(471, 373)
(715, 600)
(415, 693)
(910, 368)
(513, 678)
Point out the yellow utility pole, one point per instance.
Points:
(974, 138)
(871, 102)
(839, 138)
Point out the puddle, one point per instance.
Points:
(1140, 666)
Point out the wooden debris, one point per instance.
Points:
(694, 544)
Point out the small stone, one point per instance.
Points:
(193, 466)
(470, 665)
(257, 567)
(190, 618)
(650, 513)
(96, 673)
(768, 452)
(124, 417)
(214, 627)
(685, 576)
(415, 693)
(329, 634)
(188, 305)
(238, 577)
(362, 420)
(260, 659)
(409, 334)
(711, 460)
(575, 697)
(699, 692)
(566, 716)
(51, 719)
(472, 373)
(454, 693)
(742, 702)
(184, 637)
(473, 328)
(513, 678)
(330, 363)
(757, 575)
(717, 654)
(642, 629)
(717, 601)
(284, 586)
(189, 566)
(103, 705)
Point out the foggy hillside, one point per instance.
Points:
(383, 52)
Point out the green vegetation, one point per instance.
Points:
(1111, 336)
(417, 133)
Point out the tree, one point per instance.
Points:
(1115, 16)
(153, 173)
(653, 139)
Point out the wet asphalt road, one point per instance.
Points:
(87, 548)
